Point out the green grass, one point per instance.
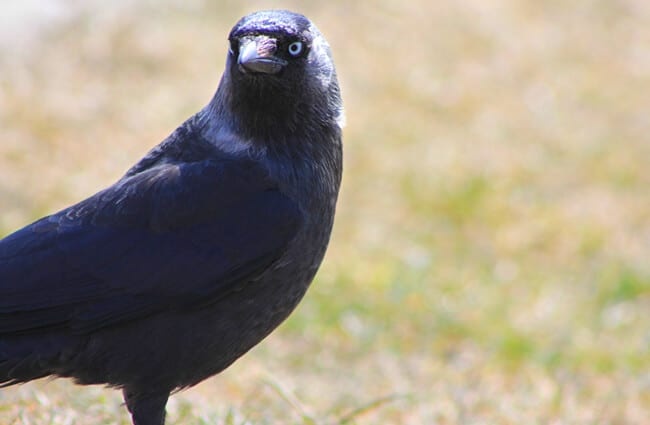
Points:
(490, 257)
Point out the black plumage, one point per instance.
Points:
(202, 248)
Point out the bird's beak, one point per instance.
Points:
(257, 55)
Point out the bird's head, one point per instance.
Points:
(280, 75)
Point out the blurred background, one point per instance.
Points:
(491, 255)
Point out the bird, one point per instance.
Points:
(202, 248)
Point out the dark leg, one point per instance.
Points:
(147, 408)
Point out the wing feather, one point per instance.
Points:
(177, 236)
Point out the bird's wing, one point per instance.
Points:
(174, 237)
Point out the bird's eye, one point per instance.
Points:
(295, 48)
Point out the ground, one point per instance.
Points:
(490, 260)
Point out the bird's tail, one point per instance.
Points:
(12, 373)
(18, 366)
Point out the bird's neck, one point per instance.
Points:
(265, 113)
(296, 142)
(299, 140)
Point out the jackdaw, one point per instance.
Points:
(202, 248)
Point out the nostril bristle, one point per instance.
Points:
(266, 46)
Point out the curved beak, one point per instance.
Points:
(257, 55)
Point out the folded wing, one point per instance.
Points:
(174, 237)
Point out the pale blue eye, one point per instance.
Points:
(295, 48)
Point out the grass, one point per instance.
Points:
(490, 257)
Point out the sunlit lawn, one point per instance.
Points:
(491, 257)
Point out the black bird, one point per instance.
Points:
(202, 248)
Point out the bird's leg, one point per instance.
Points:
(146, 408)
